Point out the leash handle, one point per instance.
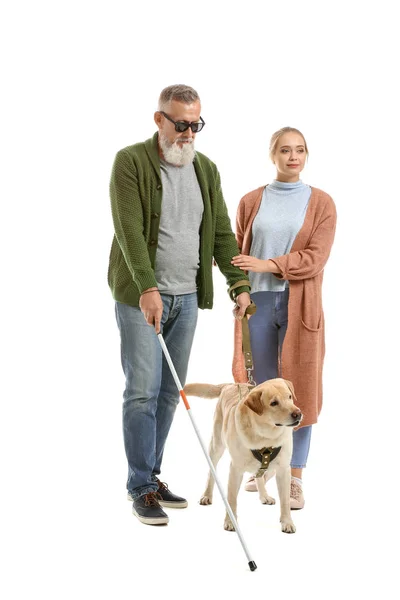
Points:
(238, 284)
(246, 347)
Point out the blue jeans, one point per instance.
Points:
(267, 332)
(151, 395)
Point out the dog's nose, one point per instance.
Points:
(296, 415)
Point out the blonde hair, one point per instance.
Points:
(275, 138)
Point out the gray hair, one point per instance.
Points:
(275, 137)
(179, 92)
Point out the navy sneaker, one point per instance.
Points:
(169, 499)
(148, 510)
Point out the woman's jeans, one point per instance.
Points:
(151, 395)
(267, 332)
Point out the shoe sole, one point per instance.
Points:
(165, 503)
(250, 489)
(173, 504)
(151, 521)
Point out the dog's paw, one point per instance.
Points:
(288, 527)
(204, 500)
(228, 525)
(267, 499)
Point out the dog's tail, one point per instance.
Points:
(203, 390)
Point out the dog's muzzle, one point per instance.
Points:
(294, 424)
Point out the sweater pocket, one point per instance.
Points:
(312, 329)
(312, 322)
(310, 343)
(311, 304)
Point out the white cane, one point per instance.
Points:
(252, 564)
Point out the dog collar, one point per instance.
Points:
(265, 456)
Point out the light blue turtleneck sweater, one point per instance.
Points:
(277, 223)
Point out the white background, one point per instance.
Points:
(80, 81)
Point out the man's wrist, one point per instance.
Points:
(154, 289)
(241, 294)
(244, 286)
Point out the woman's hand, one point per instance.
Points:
(250, 263)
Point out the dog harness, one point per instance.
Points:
(265, 456)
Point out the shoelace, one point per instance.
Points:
(162, 485)
(152, 499)
(295, 490)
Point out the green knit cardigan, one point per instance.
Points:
(136, 203)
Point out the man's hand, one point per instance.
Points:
(152, 307)
(242, 302)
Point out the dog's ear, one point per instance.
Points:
(254, 402)
(291, 388)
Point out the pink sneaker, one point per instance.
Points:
(296, 496)
(250, 485)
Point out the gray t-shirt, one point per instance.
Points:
(177, 258)
(277, 223)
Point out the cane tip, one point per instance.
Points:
(252, 565)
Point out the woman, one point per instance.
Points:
(285, 233)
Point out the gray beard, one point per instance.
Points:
(175, 155)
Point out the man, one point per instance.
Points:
(170, 221)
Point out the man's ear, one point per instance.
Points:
(291, 388)
(254, 402)
(158, 119)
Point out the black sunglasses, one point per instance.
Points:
(181, 126)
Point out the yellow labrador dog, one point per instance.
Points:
(255, 424)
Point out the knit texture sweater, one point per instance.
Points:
(278, 221)
(136, 204)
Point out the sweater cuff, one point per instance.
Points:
(238, 288)
(145, 280)
(278, 275)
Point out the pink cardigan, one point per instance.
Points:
(304, 345)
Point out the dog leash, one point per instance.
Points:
(246, 348)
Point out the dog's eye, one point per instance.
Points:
(290, 396)
(274, 403)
